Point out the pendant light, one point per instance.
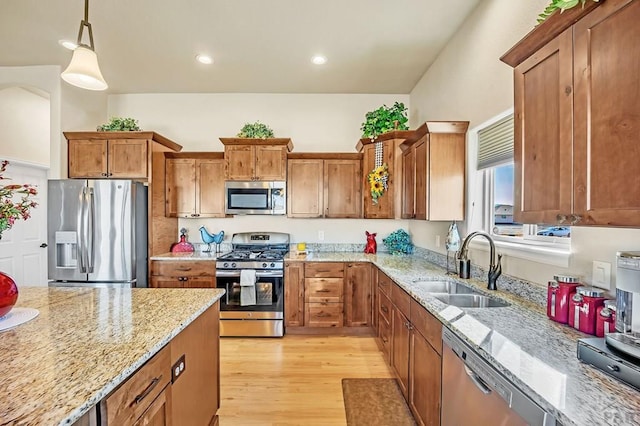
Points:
(83, 70)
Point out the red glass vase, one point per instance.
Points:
(8, 293)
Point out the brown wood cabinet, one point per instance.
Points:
(324, 185)
(434, 163)
(195, 184)
(183, 274)
(389, 205)
(575, 110)
(324, 294)
(256, 159)
(294, 294)
(400, 337)
(357, 297)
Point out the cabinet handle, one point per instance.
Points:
(138, 399)
(385, 340)
(384, 309)
(575, 219)
(104, 174)
(323, 290)
(183, 269)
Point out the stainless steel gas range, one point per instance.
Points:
(252, 275)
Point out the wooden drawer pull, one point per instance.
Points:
(183, 269)
(323, 290)
(138, 399)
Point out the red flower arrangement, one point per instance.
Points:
(10, 210)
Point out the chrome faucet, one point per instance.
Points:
(495, 268)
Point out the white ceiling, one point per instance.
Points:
(259, 46)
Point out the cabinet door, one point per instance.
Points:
(342, 189)
(166, 282)
(128, 158)
(446, 176)
(240, 162)
(294, 294)
(159, 412)
(400, 349)
(357, 298)
(422, 178)
(425, 381)
(209, 188)
(305, 188)
(180, 187)
(408, 183)
(607, 115)
(270, 162)
(543, 149)
(384, 209)
(87, 158)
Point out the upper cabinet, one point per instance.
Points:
(115, 155)
(577, 117)
(256, 159)
(434, 171)
(389, 205)
(324, 185)
(194, 184)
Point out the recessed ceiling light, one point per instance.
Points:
(68, 44)
(204, 59)
(319, 60)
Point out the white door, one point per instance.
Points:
(23, 250)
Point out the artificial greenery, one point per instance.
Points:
(398, 242)
(559, 5)
(255, 130)
(119, 124)
(384, 119)
(378, 178)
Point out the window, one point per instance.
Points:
(495, 169)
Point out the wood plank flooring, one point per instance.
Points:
(295, 380)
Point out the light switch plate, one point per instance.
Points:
(601, 275)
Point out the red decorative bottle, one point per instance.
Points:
(8, 293)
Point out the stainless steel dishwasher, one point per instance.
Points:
(475, 393)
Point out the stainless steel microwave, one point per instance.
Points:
(255, 197)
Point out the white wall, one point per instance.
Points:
(468, 82)
(314, 122)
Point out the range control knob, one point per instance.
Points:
(233, 265)
(226, 264)
(264, 265)
(273, 265)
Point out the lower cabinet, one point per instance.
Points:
(156, 395)
(410, 339)
(357, 295)
(186, 274)
(294, 294)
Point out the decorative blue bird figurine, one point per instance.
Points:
(208, 239)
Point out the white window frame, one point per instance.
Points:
(548, 250)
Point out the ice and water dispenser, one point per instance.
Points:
(66, 249)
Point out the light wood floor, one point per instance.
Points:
(295, 380)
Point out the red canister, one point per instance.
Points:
(559, 294)
(606, 318)
(582, 309)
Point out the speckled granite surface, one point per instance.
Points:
(535, 353)
(84, 343)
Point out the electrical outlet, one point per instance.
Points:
(601, 274)
(320, 235)
(437, 240)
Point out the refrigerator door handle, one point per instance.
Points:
(81, 232)
(91, 211)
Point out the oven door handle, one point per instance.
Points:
(259, 274)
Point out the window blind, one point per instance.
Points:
(495, 143)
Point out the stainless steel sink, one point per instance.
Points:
(445, 286)
(470, 300)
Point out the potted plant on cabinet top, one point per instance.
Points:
(384, 119)
(255, 130)
(119, 124)
(561, 5)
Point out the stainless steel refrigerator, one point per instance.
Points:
(97, 233)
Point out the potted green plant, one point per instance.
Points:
(255, 130)
(119, 124)
(384, 119)
(559, 5)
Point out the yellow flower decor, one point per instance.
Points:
(378, 181)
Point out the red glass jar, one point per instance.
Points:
(8, 294)
(606, 318)
(559, 292)
(582, 309)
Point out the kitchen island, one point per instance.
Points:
(86, 342)
(534, 353)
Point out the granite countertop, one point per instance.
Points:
(535, 353)
(83, 344)
(196, 255)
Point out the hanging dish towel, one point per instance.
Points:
(247, 287)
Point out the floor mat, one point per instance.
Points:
(375, 402)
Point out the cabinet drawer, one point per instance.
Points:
(191, 268)
(401, 299)
(323, 315)
(384, 309)
(323, 289)
(324, 270)
(384, 334)
(427, 325)
(384, 283)
(129, 401)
